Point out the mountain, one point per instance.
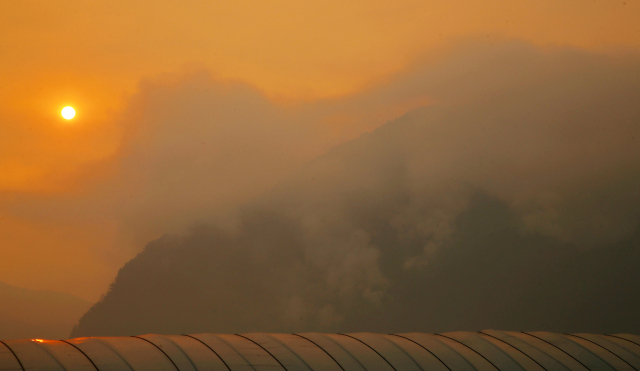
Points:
(513, 205)
(44, 314)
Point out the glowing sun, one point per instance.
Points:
(68, 112)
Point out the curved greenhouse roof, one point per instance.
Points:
(456, 351)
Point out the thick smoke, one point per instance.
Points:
(510, 201)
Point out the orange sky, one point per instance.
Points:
(94, 54)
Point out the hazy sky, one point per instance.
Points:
(247, 90)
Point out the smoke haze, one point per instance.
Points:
(38, 313)
(507, 197)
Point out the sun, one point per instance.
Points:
(68, 112)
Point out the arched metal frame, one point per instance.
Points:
(456, 351)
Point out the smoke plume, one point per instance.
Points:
(509, 200)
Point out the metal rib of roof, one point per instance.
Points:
(488, 350)
(629, 357)
(8, 360)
